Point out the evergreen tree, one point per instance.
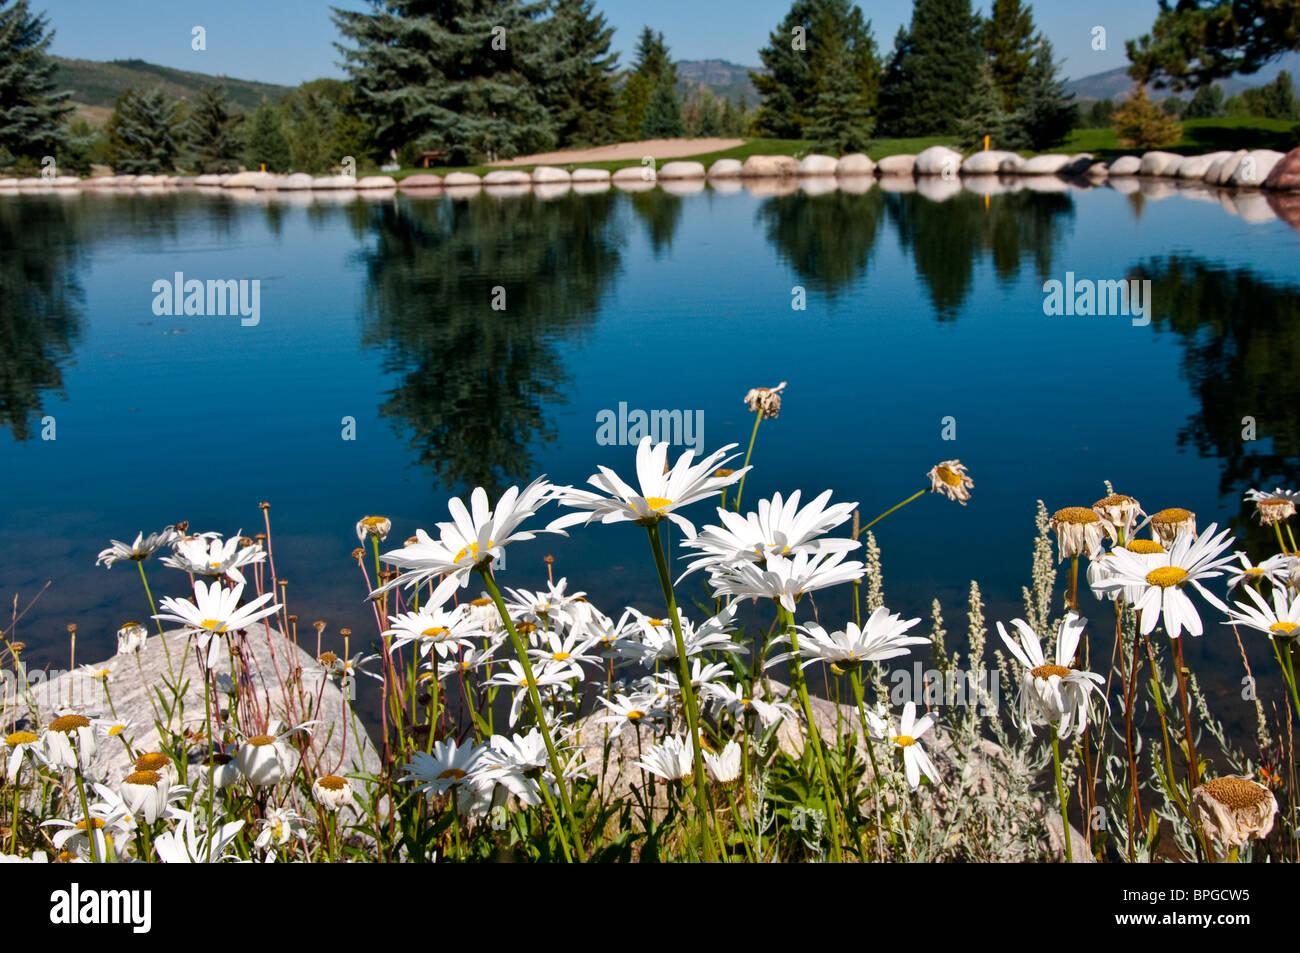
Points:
(31, 110)
(267, 144)
(143, 134)
(985, 115)
(1195, 41)
(1047, 112)
(212, 132)
(1009, 41)
(1275, 100)
(663, 113)
(581, 97)
(1099, 113)
(1206, 104)
(732, 120)
(84, 145)
(789, 85)
(934, 68)
(308, 127)
(650, 61)
(702, 113)
(840, 114)
(1141, 124)
(462, 76)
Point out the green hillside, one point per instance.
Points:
(100, 84)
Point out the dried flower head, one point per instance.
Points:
(950, 479)
(1079, 532)
(1234, 810)
(377, 526)
(1167, 524)
(765, 400)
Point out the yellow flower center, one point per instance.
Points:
(1172, 515)
(1284, 628)
(214, 625)
(437, 632)
(657, 502)
(560, 656)
(1166, 576)
(656, 622)
(331, 783)
(1235, 792)
(951, 477)
(472, 551)
(746, 701)
(1078, 515)
(1254, 571)
(635, 715)
(370, 521)
(481, 601)
(1047, 671)
(260, 740)
(904, 741)
(116, 730)
(451, 774)
(69, 723)
(149, 778)
(21, 738)
(152, 761)
(96, 822)
(1144, 547)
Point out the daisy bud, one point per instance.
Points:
(1167, 524)
(950, 479)
(1234, 810)
(1078, 532)
(765, 400)
(261, 761)
(376, 526)
(131, 638)
(331, 792)
(145, 794)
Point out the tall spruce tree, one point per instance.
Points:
(212, 132)
(934, 67)
(460, 76)
(985, 115)
(650, 61)
(663, 113)
(1206, 104)
(1047, 111)
(580, 94)
(144, 134)
(31, 109)
(841, 108)
(1009, 41)
(267, 144)
(790, 84)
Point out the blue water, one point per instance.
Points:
(380, 310)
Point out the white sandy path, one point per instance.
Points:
(659, 148)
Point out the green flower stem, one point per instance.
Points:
(801, 686)
(485, 571)
(1193, 762)
(1060, 793)
(158, 622)
(1282, 647)
(758, 419)
(689, 702)
(898, 506)
(856, 679)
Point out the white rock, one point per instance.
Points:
(328, 183)
(855, 163)
(938, 160)
(986, 163)
(591, 175)
(1254, 168)
(268, 184)
(210, 178)
(725, 169)
(550, 190)
(507, 177)
(377, 182)
(1098, 170)
(1011, 165)
(461, 178)
(768, 166)
(1156, 162)
(1125, 165)
(65, 181)
(1050, 164)
(896, 165)
(682, 170)
(1195, 167)
(816, 164)
(33, 183)
(634, 173)
(296, 182)
(1219, 172)
(549, 173)
(247, 180)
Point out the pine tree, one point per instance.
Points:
(840, 117)
(267, 144)
(934, 68)
(985, 115)
(789, 85)
(1009, 41)
(1047, 111)
(462, 76)
(1275, 100)
(1141, 124)
(580, 96)
(1099, 113)
(143, 134)
(663, 113)
(212, 132)
(1206, 104)
(650, 61)
(31, 110)
(308, 127)
(702, 113)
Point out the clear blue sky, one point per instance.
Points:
(289, 41)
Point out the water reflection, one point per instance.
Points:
(473, 383)
(827, 239)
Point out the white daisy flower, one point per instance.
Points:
(673, 760)
(332, 792)
(544, 676)
(737, 703)
(519, 763)
(702, 674)
(433, 629)
(131, 638)
(265, 759)
(215, 612)
(468, 660)
(450, 765)
(1280, 620)
(1161, 580)
(661, 490)
(783, 579)
(565, 653)
(653, 640)
(187, 845)
(212, 558)
(69, 743)
(1100, 566)
(881, 638)
(1276, 569)
(145, 794)
(18, 745)
(725, 765)
(139, 550)
(630, 712)
(1056, 692)
(915, 761)
(279, 827)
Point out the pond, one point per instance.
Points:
(406, 348)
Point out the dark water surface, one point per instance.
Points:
(381, 310)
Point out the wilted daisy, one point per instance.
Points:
(432, 630)
(1234, 810)
(1079, 532)
(1275, 569)
(213, 558)
(145, 794)
(215, 612)
(738, 703)
(780, 526)
(1168, 524)
(139, 550)
(661, 491)
(1118, 513)
(332, 792)
(187, 845)
(1281, 620)
(1272, 507)
(18, 745)
(673, 760)
(69, 742)
(725, 765)
(950, 479)
(223, 769)
(1160, 580)
(377, 526)
(915, 761)
(630, 712)
(131, 637)
(475, 536)
(265, 759)
(785, 580)
(765, 400)
(1057, 692)
(881, 638)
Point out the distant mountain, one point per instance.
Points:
(1115, 83)
(724, 79)
(98, 84)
